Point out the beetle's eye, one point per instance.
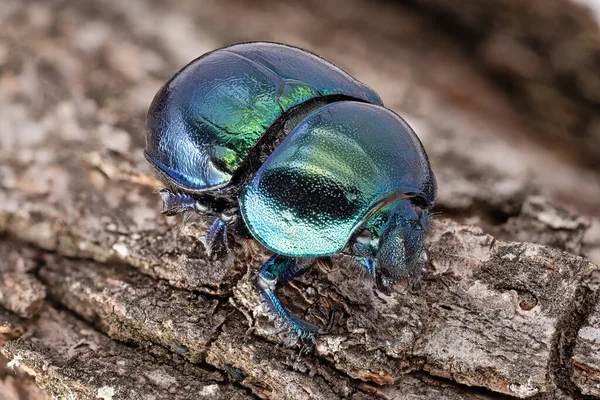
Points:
(364, 237)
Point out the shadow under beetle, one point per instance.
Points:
(306, 157)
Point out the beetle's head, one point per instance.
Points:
(391, 245)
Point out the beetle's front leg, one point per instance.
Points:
(278, 271)
(369, 264)
(180, 203)
(383, 283)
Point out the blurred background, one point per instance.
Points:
(505, 94)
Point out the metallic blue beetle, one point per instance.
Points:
(279, 141)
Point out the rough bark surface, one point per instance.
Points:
(20, 291)
(71, 360)
(586, 355)
(103, 297)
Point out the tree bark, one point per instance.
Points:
(103, 297)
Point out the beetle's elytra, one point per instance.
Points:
(305, 156)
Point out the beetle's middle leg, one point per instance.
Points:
(215, 239)
(276, 272)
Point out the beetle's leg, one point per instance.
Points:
(175, 203)
(383, 283)
(215, 239)
(180, 203)
(278, 271)
(369, 264)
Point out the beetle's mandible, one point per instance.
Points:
(280, 141)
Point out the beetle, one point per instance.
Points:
(285, 144)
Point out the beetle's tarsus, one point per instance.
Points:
(176, 203)
(278, 271)
(215, 239)
(369, 264)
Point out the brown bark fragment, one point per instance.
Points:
(488, 313)
(586, 355)
(11, 326)
(422, 387)
(131, 307)
(498, 323)
(67, 356)
(270, 373)
(539, 221)
(16, 384)
(20, 291)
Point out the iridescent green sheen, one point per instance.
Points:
(332, 172)
(203, 122)
(304, 152)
